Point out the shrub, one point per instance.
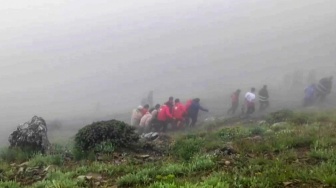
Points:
(117, 133)
(9, 184)
(257, 131)
(45, 160)
(279, 116)
(300, 118)
(228, 134)
(16, 155)
(186, 148)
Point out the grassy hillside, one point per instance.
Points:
(284, 150)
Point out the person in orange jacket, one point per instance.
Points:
(163, 118)
(179, 113)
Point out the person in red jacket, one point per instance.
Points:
(163, 118)
(179, 113)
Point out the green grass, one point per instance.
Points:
(300, 152)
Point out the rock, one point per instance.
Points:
(279, 124)
(225, 151)
(263, 122)
(50, 168)
(150, 136)
(94, 176)
(21, 170)
(142, 156)
(25, 164)
(31, 135)
(81, 177)
(255, 138)
(227, 163)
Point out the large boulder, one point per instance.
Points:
(31, 135)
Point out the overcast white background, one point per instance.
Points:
(66, 58)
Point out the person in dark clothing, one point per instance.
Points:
(310, 95)
(263, 98)
(234, 102)
(324, 88)
(154, 111)
(170, 104)
(193, 111)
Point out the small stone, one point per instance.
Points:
(143, 156)
(24, 164)
(227, 163)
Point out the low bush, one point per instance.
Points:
(45, 160)
(114, 132)
(185, 148)
(9, 184)
(279, 116)
(229, 134)
(16, 155)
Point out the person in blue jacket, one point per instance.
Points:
(193, 111)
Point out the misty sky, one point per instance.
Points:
(64, 58)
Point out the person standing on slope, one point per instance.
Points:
(310, 95)
(249, 101)
(234, 102)
(136, 116)
(179, 113)
(324, 87)
(164, 116)
(145, 123)
(154, 111)
(194, 109)
(263, 98)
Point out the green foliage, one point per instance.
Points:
(105, 147)
(16, 155)
(9, 184)
(185, 148)
(279, 116)
(229, 134)
(257, 130)
(45, 160)
(201, 163)
(113, 132)
(59, 179)
(301, 119)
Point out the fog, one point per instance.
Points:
(88, 60)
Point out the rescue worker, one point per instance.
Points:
(170, 104)
(154, 111)
(310, 95)
(145, 123)
(179, 113)
(145, 109)
(249, 101)
(193, 111)
(234, 102)
(136, 116)
(186, 115)
(263, 98)
(324, 87)
(164, 116)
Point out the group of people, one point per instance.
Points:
(318, 92)
(179, 115)
(248, 107)
(173, 113)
